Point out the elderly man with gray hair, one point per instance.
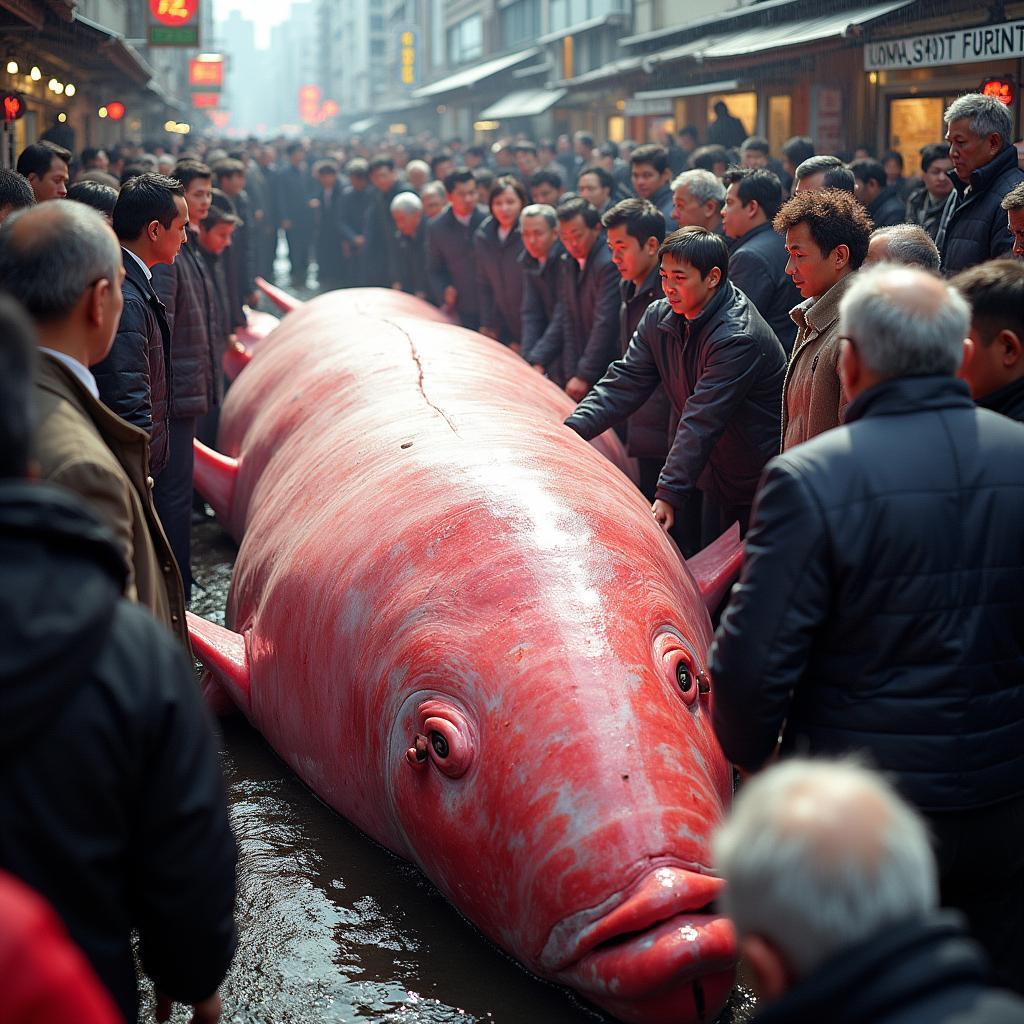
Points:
(697, 198)
(409, 245)
(973, 227)
(831, 885)
(907, 244)
(882, 595)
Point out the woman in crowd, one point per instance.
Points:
(498, 244)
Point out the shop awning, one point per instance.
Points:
(734, 15)
(527, 103)
(775, 37)
(606, 71)
(362, 126)
(112, 48)
(477, 73)
(708, 89)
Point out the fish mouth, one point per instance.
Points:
(662, 954)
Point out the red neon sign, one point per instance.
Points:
(174, 12)
(14, 107)
(1001, 89)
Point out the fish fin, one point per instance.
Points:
(284, 302)
(236, 358)
(225, 657)
(214, 477)
(717, 567)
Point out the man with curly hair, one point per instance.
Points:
(827, 237)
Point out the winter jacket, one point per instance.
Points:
(332, 234)
(812, 399)
(220, 320)
(924, 211)
(450, 261)
(723, 374)
(757, 266)
(113, 806)
(587, 314)
(882, 597)
(973, 227)
(410, 261)
(1008, 400)
(500, 280)
(378, 252)
(189, 296)
(540, 297)
(889, 207)
(83, 446)
(918, 971)
(136, 378)
(648, 430)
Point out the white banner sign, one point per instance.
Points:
(962, 46)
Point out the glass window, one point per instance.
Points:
(376, 22)
(520, 22)
(559, 14)
(466, 40)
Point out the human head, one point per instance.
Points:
(484, 178)
(596, 185)
(710, 158)
(92, 193)
(795, 151)
(45, 166)
(417, 173)
(460, 187)
(93, 159)
(605, 156)
(434, 199)
(977, 129)
(869, 180)
(506, 200)
(906, 244)
(441, 165)
(818, 857)
(326, 172)
(382, 172)
(546, 187)
(579, 227)
(994, 356)
(694, 264)
(17, 360)
(296, 153)
(827, 236)
(892, 161)
(197, 180)
(649, 170)
(583, 144)
(15, 193)
(150, 217)
(819, 172)
(474, 157)
(752, 198)
(688, 138)
(935, 168)
(754, 152)
(407, 212)
(358, 171)
(539, 226)
(61, 261)
(697, 198)
(526, 158)
(635, 229)
(1013, 204)
(217, 227)
(230, 175)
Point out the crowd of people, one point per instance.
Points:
(818, 349)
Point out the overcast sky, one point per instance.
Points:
(265, 13)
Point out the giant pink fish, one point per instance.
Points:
(463, 629)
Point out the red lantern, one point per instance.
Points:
(115, 110)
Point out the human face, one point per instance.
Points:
(936, 179)
(383, 178)
(527, 162)
(199, 196)
(406, 222)
(893, 171)
(577, 238)
(866, 191)
(538, 236)
(218, 238)
(969, 151)
(167, 241)
(589, 186)
(506, 207)
(51, 185)
(754, 158)
(687, 292)
(633, 260)
(101, 161)
(233, 184)
(811, 183)
(433, 204)
(544, 193)
(1015, 222)
(687, 212)
(737, 219)
(463, 198)
(327, 180)
(992, 362)
(646, 180)
(812, 271)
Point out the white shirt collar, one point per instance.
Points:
(463, 220)
(145, 269)
(78, 369)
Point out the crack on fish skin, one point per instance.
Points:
(419, 377)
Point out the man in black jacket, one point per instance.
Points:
(409, 245)
(757, 254)
(335, 240)
(651, 174)
(136, 378)
(294, 191)
(450, 263)
(885, 203)
(377, 254)
(994, 363)
(113, 805)
(973, 226)
(882, 594)
(722, 368)
(541, 260)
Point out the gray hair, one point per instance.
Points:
(434, 188)
(51, 253)
(1014, 199)
(417, 165)
(541, 210)
(906, 322)
(910, 245)
(985, 114)
(406, 202)
(702, 185)
(818, 856)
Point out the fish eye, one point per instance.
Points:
(683, 677)
(679, 663)
(450, 738)
(440, 745)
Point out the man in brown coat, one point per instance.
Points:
(63, 262)
(827, 237)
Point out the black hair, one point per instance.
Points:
(327, 166)
(146, 198)
(504, 182)
(932, 152)
(483, 176)
(690, 130)
(17, 360)
(295, 147)
(222, 211)
(228, 169)
(380, 161)
(798, 149)
(546, 176)
(525, 147)
(578, 207)
(186, 171)
(758, 185)
(586, 138)
(833, 218)
(757, 143)
(608, 149)
(437, 158)
(892, 154)
(607, 181)
(701, 248)
(132, 170)
(869, 170)
(15, 191)
(995, 293)
(476, 151)
(705, 158)
(641, 217)
(656, 156)
(37, 159)
(357, 167)
(835, 174)
(457, 177)
(89, 154)
(93, 193)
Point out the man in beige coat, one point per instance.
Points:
(827, 235)
(63, 262)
